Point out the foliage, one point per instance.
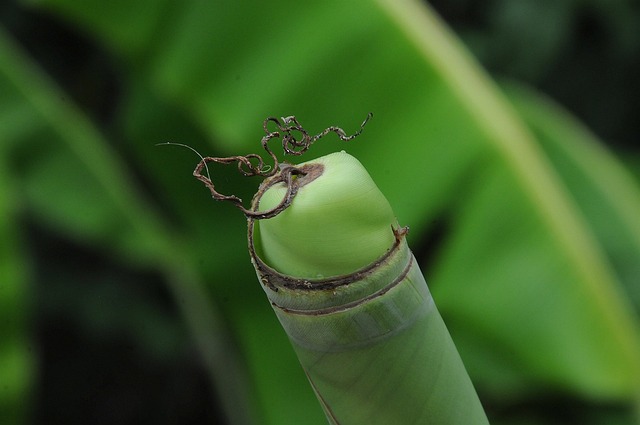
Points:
(529, 223)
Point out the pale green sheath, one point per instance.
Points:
(369, 337)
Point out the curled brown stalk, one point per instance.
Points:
(295, 141)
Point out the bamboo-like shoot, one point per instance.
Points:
(349, 293)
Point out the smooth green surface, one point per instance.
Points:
(531, 282)
(337, 224)
(387, 360)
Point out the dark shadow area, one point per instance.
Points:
(113, 348)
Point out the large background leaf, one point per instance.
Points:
(531, 259)
(74, 184)
(17, 359)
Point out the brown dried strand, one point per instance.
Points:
(294, 146)
(290, 144)
(341, 133)
(266, 122)
(265, 145)
(249, 168)
(197, 173)
(285, 176)
(254, 165)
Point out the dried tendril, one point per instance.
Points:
(287, 128)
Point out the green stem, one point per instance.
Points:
(372, 343)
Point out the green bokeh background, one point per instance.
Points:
(126, 293)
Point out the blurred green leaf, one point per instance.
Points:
(17, 360)
(604, 191)
(74, 183)
(527, 277)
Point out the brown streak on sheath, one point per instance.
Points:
(310, 172)
(304, 175)
(265, 272)
(355, 303)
